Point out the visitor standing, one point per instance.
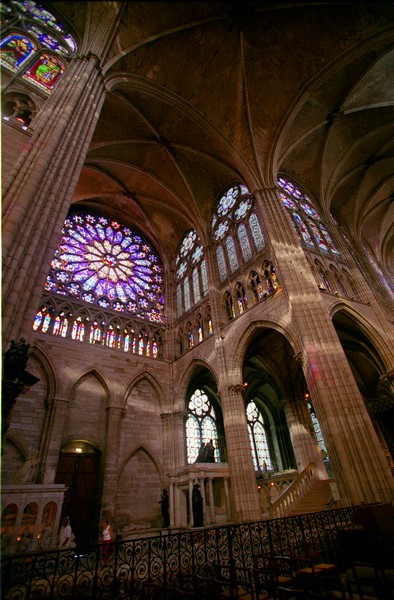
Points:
(107, 539)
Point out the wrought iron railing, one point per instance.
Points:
(69, 575)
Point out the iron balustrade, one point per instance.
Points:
(67, 574)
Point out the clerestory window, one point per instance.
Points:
(236, 230)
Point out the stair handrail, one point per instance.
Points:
(294, 493)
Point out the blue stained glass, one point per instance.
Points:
(16, 49)
(309, 210)
(288, 203)
(101, 257)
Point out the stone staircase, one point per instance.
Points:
(318, 498)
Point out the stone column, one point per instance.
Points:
(54, 442)
(244, 490)
(110, 458)
(359, 465)
(38, 192)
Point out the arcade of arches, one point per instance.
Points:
(197, 245)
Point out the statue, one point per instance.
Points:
(27, 471)
(207, 453)
(164, 501)
(15, 359)
(197, 506)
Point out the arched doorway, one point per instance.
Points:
(78, 469)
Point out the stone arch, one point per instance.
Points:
(42, 357)
(186, 377)
(377, 337)
(153, 381)
(138, 490)
(372, 370)
(87, 413)
(236, 356)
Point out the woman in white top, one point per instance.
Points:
(65, 534)
(107, 539)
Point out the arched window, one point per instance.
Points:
(190, 335)
(35, 45)
(228, 302)
(271, 279)
(201, 425)
(102, 262)
(236, 230)
(307, 222)
(338, 280)
(200, 328)
(258, 438)
(208, 321)
(191, 273)
(241, 297)
(319, 437)
(256, 285)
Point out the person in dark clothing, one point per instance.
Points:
(165, 502)
(197, 506)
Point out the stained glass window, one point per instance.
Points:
(16, 49)
(191, 273)
(244, 242)
(221, 263)
(35, 55)
(102, 262)
(258, 438)
(319, 436)
(234, 219)
(45, 71)
(306, 219)
(200, 426)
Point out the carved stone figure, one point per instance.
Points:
(27, 471)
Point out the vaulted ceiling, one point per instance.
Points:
(203, 94)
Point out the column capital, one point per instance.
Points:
(238, 388)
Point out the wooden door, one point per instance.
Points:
(79, 473)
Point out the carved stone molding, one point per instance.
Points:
(236, 389)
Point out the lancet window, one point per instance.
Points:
(191, 273)
(236, 230)
(201, 425)
(35, 46)
(258, 438)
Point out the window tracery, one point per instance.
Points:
(306, 220)
(258, 438)
(75, 323)
(191, 273)
(201, 425)
(236, 230)
(101, 262)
